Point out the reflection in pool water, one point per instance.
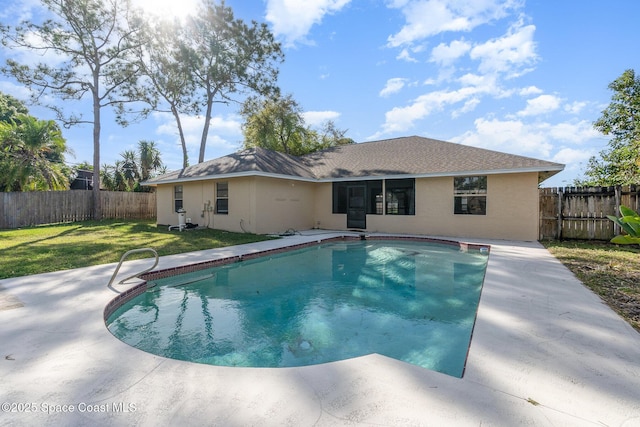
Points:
(412, 301)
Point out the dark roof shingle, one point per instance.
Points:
(413, 156)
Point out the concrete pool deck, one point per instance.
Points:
(546, 351)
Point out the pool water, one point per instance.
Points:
(411, 301)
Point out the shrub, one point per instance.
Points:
(630, 223)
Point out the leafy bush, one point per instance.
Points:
(630, 223)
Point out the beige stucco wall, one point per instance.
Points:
(194, 195)
(256, 204)
(512, 210)
(269, 205)
(283, 204)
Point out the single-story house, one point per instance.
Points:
(410, 185)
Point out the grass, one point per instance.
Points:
(611, 271)
(49, 248)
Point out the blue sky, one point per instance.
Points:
(522, 77)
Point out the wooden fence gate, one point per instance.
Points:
(581, 212)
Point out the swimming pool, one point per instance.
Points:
(413, 301)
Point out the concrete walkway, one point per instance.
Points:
(545, 351)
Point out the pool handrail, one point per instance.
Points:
(124, 256)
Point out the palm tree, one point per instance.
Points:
(150, 160)
(126, 174)
(107, 179)
(32, 155)
(120, 178)
(130, 168)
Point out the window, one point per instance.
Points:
(177, 197)
(400, 198)
(470, 195)
(222, 198)
(373, 197)
(339, 197)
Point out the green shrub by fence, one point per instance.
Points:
(50, 207)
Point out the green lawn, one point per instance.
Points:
(48, 248)
(611, 271)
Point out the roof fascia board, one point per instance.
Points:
(231, 175)
(357, 178)
(445, 174)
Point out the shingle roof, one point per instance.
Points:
(416, 155)
(407, 156)
(246, 162)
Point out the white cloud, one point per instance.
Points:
(468, 106)
(504, 56)
(507, 135)
(446, 54)
(222, 130)
(509, 53)
(401, 119)
(317, 118)
(541, 105)
(575, 133)
(404, 55)
(293, 19)
(487, 83)
(532, 139)
(19, 92)
(425, 18)
(393, 85)
(575, 107)
(572, 155)
(574, 161)
(20, 10)
(530, 90)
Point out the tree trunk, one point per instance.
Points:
(207, 122)
(185, 156)
(97, 204)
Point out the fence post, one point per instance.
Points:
(559, 223)
(618, 195)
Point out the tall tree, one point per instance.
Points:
(171, 85)
(332, 136)
(94, 41)
(620, 162)
(277, 123)
(209, 58)
(227, 57)
(32, 155)
(274, 123)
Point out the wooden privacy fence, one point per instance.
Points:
(50, 207)
(581, 212)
